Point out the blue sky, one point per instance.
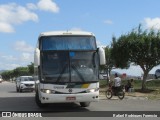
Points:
(21, 21)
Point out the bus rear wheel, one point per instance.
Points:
(84, 104)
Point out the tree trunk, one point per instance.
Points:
(107, 76)
(144, 80)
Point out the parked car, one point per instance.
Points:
(157, 73)
(1, 79)
(25, 83)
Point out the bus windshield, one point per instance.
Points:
(68, 43)
(69, 66)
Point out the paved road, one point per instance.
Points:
(10, 100)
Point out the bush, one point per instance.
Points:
(137, 84)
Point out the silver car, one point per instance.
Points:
(25, 83)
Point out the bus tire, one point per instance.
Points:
(17, 89)
(20, 90)
(84, 104)
(38, 102)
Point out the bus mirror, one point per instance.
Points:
(37, 57)
(101, 53)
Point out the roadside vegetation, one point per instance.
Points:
(140, 47)
(152, 90)
(19, 71)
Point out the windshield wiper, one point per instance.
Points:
(60, 76)
(79, 74)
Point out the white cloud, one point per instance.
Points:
(22, 46)
(48, 5)
(8, 58)
(6, 66)
(108, 22)
(31, 6)
(152, 23)
(12, 14)
(27, 57)
(6, 28)
(9, 62)
(16, 14)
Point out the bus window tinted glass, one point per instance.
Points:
(68, 43)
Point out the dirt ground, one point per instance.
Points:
(153, 95)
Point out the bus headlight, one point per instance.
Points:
(47, 91)
(92, 90)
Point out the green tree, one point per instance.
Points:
(31, 68)
(138, 46)
(20, 71)
(7, 75)
(109, 62)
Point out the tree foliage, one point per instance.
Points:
(31, 68)
(138, 46)
(19, 71)
(109, 61)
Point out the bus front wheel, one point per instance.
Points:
(84, 104)
(38, 102)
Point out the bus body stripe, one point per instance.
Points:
(78, 86)
(85, 86)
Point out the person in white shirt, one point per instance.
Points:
(117, 82)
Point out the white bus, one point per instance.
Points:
(66, 65)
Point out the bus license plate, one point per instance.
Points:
(70, 98)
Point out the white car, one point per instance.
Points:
(1, 79)
(25, 83)
(157, 74)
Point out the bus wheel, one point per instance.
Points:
(17, 89)
(84, 104)
(20, 90)
(38, 102)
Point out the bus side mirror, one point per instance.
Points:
(101, 53)
(37, 57)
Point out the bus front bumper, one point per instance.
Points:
(64, 98)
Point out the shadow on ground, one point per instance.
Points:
(28, 104)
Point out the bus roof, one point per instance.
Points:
(54, 33)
